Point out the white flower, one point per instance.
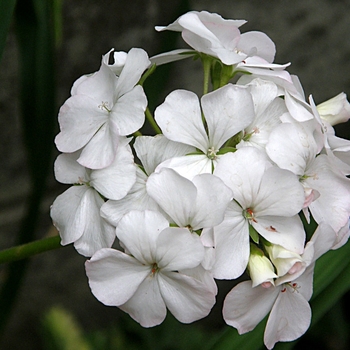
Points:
(147, 279)
(266, 198)
(209, 33)
(227, 111)
(290, 312)
(76, 212)
(293, 146)
(102, 108)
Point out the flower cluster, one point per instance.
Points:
(230, 185)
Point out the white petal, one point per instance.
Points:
(280, 194)
(68, 170)
(289, 318)
(265, 48)
(128, 113)
(136, 63)
(244, 306)
(115, 181)
(179, 117)
(189, 166)
(242, 172)
(174, 194)
(76, 214)
(227, 111)
(154, 150)
(146, 306)
(172, 56)
(101, 149)
(213, 197)
(136, 199)
(186, 298)
(79, 119)
(114, 276)
(285, 231)
(177, 249)
(138, 231)
(231, 244)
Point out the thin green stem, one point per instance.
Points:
(29, 249)
(206, 67)
(151, 120)
(137, 133)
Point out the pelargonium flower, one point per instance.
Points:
(227, 111)
(147, 279)
(287, 301)
(266, 199)
(209, 33)
(102, 108)
(76, 212)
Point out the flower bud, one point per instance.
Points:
(260, 268)
(284, 260)
(335, 110)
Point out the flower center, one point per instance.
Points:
(104, 106)
(249, 214)
(211, 154)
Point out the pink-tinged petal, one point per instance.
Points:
(128, 113)
(115, 181)
(68, 170)
(280, 194)
(227, 111)
(231, 241)
(79, 118)
(244, 306)
(264, 46)
(138, 231)
(179, 117)
(188, 166)
(76, 214)
(289, 318)
(285, 231)
(136, 199)
(153, 150)
(175, 194)
(213, 197)
(177, 249)
(135, 64)
(114, 277)
(101, 149)
(146, 306)
(187, 298)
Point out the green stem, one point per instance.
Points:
(151, 120)
(206, 67)
(137, 133)
(29, 249)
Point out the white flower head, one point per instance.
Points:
(147, 280)
(209, 33)
(102, 108)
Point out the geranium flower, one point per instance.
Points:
(147, 278)
(102, 108)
